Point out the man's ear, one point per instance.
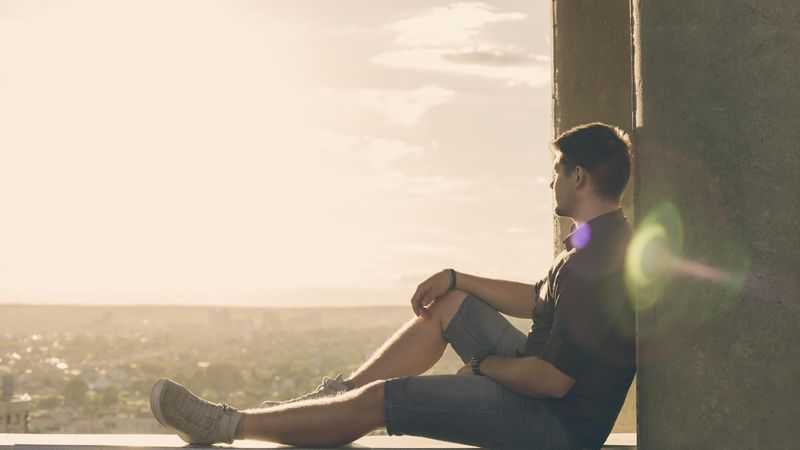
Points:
(579, 176)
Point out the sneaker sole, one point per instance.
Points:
(155, 408)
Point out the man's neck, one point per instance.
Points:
(589, 211)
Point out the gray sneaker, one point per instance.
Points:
(329, 388)
(193, 419)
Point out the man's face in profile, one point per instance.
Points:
(563, 196)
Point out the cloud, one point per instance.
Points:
(450, 25)
(452, 40)
(345, 153)
(436, 186)
(383, 152)
(404, 108)
(435, 60)
(495, 58)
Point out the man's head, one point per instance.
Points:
(592, 165)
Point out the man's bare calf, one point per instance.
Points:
(321, 422)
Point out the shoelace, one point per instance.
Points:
(318, 390)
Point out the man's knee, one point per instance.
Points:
(374, 391)
(446, 306)
(371, 397)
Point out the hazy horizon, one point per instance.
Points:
(270, 154)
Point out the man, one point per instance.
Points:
(562, 386)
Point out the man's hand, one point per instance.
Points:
(466, 370)
(437, 285)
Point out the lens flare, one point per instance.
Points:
(581, 236)
(652, 254)
(698, 270)
(688, 263)
(655, 257)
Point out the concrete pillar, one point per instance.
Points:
(592, 76)
(717, 160)
(592, 70)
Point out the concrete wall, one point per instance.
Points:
(718, 136)
(592, 82)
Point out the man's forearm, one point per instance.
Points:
(508, 297)
(529, 376)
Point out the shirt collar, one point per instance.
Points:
(579, 237)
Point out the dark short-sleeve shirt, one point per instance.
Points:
(583, 324)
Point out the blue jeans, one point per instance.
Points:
(473, 410)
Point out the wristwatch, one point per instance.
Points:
(477, 359)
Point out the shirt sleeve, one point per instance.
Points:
(537, 287)
(563, 349)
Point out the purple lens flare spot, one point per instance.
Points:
(581, 236)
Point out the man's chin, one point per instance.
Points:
(557, 211)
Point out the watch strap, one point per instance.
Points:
(451, 274)
(477, 359)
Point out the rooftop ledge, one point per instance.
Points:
(617, 441)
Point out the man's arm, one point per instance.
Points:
(528, 375)
(509, 297)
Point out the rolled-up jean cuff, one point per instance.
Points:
(470, 410)
(387, 408)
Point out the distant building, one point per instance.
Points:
(13, 411)
(43, 422)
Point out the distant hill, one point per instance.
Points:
(15, 319)
(54, 318)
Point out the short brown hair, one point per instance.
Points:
(603, 150)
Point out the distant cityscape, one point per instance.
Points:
(89, 369)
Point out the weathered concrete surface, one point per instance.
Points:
(592, 76)
(169, 442)
(719, 363)
(591, 63)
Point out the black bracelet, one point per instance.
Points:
(452, 274)
(477, 359)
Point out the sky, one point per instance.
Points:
(270, 153)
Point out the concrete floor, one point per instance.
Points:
(166, 441)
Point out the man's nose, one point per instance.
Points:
(551, 185)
